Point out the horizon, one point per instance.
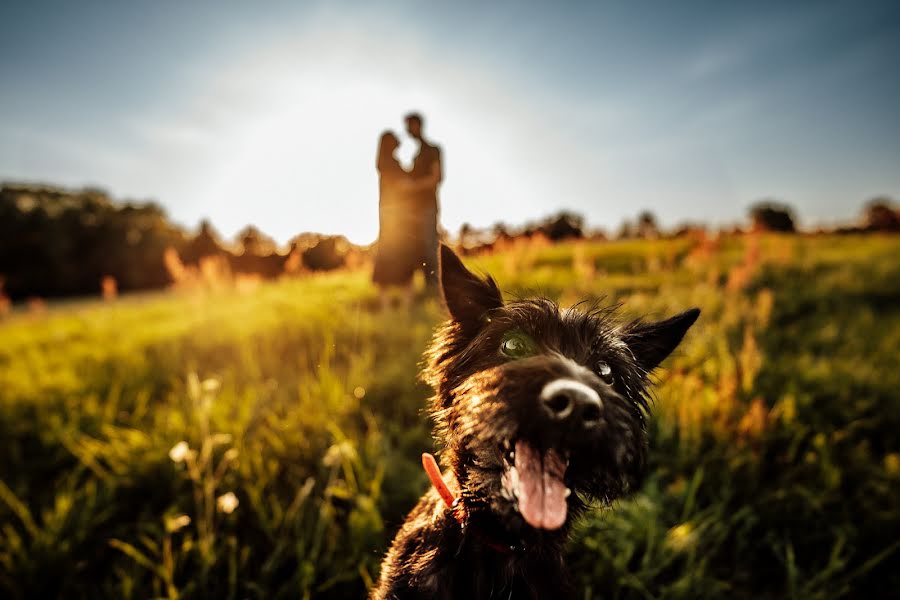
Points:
(590, 230)
(247, 116)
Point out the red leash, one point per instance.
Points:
(453, 505)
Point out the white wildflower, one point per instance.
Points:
(179, 451)
(227, 503)
(176, 522)
(338, 453)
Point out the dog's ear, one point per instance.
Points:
(467, 296)
(651, 343)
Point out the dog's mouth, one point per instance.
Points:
(534, 480)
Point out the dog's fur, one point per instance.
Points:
(490, 407)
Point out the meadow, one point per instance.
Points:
(265, 443)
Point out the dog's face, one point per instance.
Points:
(541, 408)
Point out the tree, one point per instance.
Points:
(499, 231)
(328, 253)
(56, 242)
(879, 214)
(255, 242)
(646, 225)
(563, 225)
(205, 243)
(626, 230)
(769, 215)
(465, 233)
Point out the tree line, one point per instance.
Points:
(56, 242)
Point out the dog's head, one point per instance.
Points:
(541, 408)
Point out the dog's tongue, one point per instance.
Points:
(542, 493)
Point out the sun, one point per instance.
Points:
(304, 155)
(294, 135)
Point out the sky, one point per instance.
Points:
(269, 113)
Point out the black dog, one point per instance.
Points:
(540, 411)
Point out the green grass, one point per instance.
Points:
(775, 449)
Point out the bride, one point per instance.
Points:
(397, 254)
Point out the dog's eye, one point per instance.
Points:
(605, 371)
(517, 344)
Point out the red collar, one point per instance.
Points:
(454, 505)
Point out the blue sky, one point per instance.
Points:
(269, 113)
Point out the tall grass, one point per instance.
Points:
(265, 444)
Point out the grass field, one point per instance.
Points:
(775, 449)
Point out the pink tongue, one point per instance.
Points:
(542, 493)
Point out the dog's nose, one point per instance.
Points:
(571, 400)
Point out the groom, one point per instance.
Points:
(427, 174)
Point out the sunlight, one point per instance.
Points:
(310, 149)
(292, 141)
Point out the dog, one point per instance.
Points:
(541, 411)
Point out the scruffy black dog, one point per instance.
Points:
(540, 410)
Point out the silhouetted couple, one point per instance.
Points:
(407, 214)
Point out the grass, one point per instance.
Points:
(775, 448)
